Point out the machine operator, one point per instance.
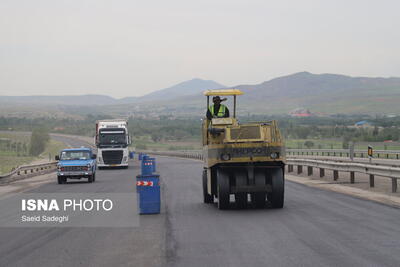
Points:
(217, 110)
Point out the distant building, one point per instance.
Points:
(391, 116)
(363, 124)
(300, 112)
(59, 129)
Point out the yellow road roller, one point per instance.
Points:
(241, 159)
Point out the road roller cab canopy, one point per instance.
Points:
(224, 92)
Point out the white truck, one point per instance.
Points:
(112, 140)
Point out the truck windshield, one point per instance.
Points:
(112, 138)
(75, 155)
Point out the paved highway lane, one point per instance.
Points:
(79, 246)
(70, 141)
(101, 246)
(316, 227)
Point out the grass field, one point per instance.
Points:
(146, 143)
(337, 144)
(10, 160)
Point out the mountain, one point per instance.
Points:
(320, 93)
(329, 93)
(323, 93)
(191, 87)
(306, 84)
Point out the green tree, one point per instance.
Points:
(346, 141)
(155, 136)
(39, 139)
(375, 132)
(308, 144)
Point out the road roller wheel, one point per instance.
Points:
(241, 198)
(207, 198)
(223, 189)
(278, 189)
(258, 198)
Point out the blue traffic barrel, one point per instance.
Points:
(145, 156)
(153, 160)
(148, 189)
(141, 155)
(147, 167)
(131, 155)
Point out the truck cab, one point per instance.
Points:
(112, 141)
(76, 163)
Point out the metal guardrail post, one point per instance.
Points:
(394, 185)
(335, 175)
(299, 169)
(309, 170)
(371, 180)
(352, 177)
(290, 168)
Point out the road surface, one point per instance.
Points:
(315, 228)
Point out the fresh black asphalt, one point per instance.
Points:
(315, 228)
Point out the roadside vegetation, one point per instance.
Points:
(184, 133)
(23, 148)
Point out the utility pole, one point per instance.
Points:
(351, 150)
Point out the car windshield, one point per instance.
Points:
(75, 155)
(111, 138)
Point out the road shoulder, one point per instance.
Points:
(393, 201)
(21, 185)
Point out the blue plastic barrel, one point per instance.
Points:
(145, 157)
(131, 155)
(141, 156)
(147, 167)
(148, 189)
(153, 160)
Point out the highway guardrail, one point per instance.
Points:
(25, 171)
(195, 154)
(30, 170)
(395, 154)
(372, 170)
(351, 167)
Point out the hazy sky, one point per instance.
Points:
(128, 48)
